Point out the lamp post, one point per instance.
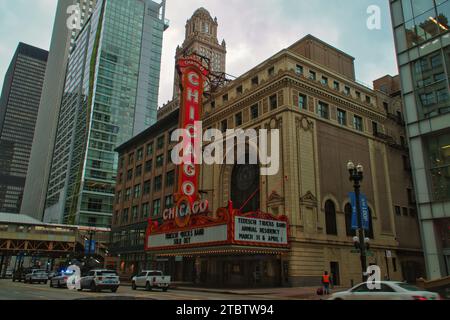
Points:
(356, 176)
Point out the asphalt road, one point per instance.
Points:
(19, 291)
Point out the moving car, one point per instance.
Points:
(388, 290)
(151, 280)
(98, 280)
(36, 275)
(60, 280)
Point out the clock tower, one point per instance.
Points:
(201, 38)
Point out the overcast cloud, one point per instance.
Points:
(253, 29)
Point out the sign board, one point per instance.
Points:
(192, 76)
(260, 231)
(388, 254)
(199, 236)
(364, 211)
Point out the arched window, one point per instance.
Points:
(330, 218)
(245, 188)
(348, 220)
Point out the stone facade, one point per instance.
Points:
(354, 122)
(314, 151)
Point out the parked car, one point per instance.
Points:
(60, 280)
(36, 275)
(389, 290)
(98, 280)
(19, 274)
(8, 274)
(52, 274)
(151, 280)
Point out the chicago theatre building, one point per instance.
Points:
(245, 229)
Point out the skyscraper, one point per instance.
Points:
(110, 95)
(422, 37)
(62, 41)
(19, 106)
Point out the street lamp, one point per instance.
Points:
(361, 242)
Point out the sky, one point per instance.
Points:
(254, 30)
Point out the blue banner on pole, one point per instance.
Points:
(355, 224)
(92, 246)
(364, 211)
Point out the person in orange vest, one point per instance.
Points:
(326, 281)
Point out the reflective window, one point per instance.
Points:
(323, 110)
(430, 80)
(358, 123)
(424, 21)
(342, 117)
(439, 156)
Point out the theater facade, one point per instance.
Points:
(245, 229)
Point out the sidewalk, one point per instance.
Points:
(283, 293)
(301, 293)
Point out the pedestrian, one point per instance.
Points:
(326, 283)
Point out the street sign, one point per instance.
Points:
(364, 211)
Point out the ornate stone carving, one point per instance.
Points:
(306, 124)
(309, 199)
(275, 199)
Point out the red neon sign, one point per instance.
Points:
(192, 76)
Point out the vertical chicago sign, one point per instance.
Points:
(192, 76)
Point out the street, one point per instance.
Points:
(19, 291)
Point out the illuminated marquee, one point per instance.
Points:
(229, 227)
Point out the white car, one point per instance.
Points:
(37, 275)
(388, 290)
(151, 280)
(98, 280)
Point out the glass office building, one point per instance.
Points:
(110, 95)
(62, 41)
(421, 30)
(19, 105)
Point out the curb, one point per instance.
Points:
(128, 284)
